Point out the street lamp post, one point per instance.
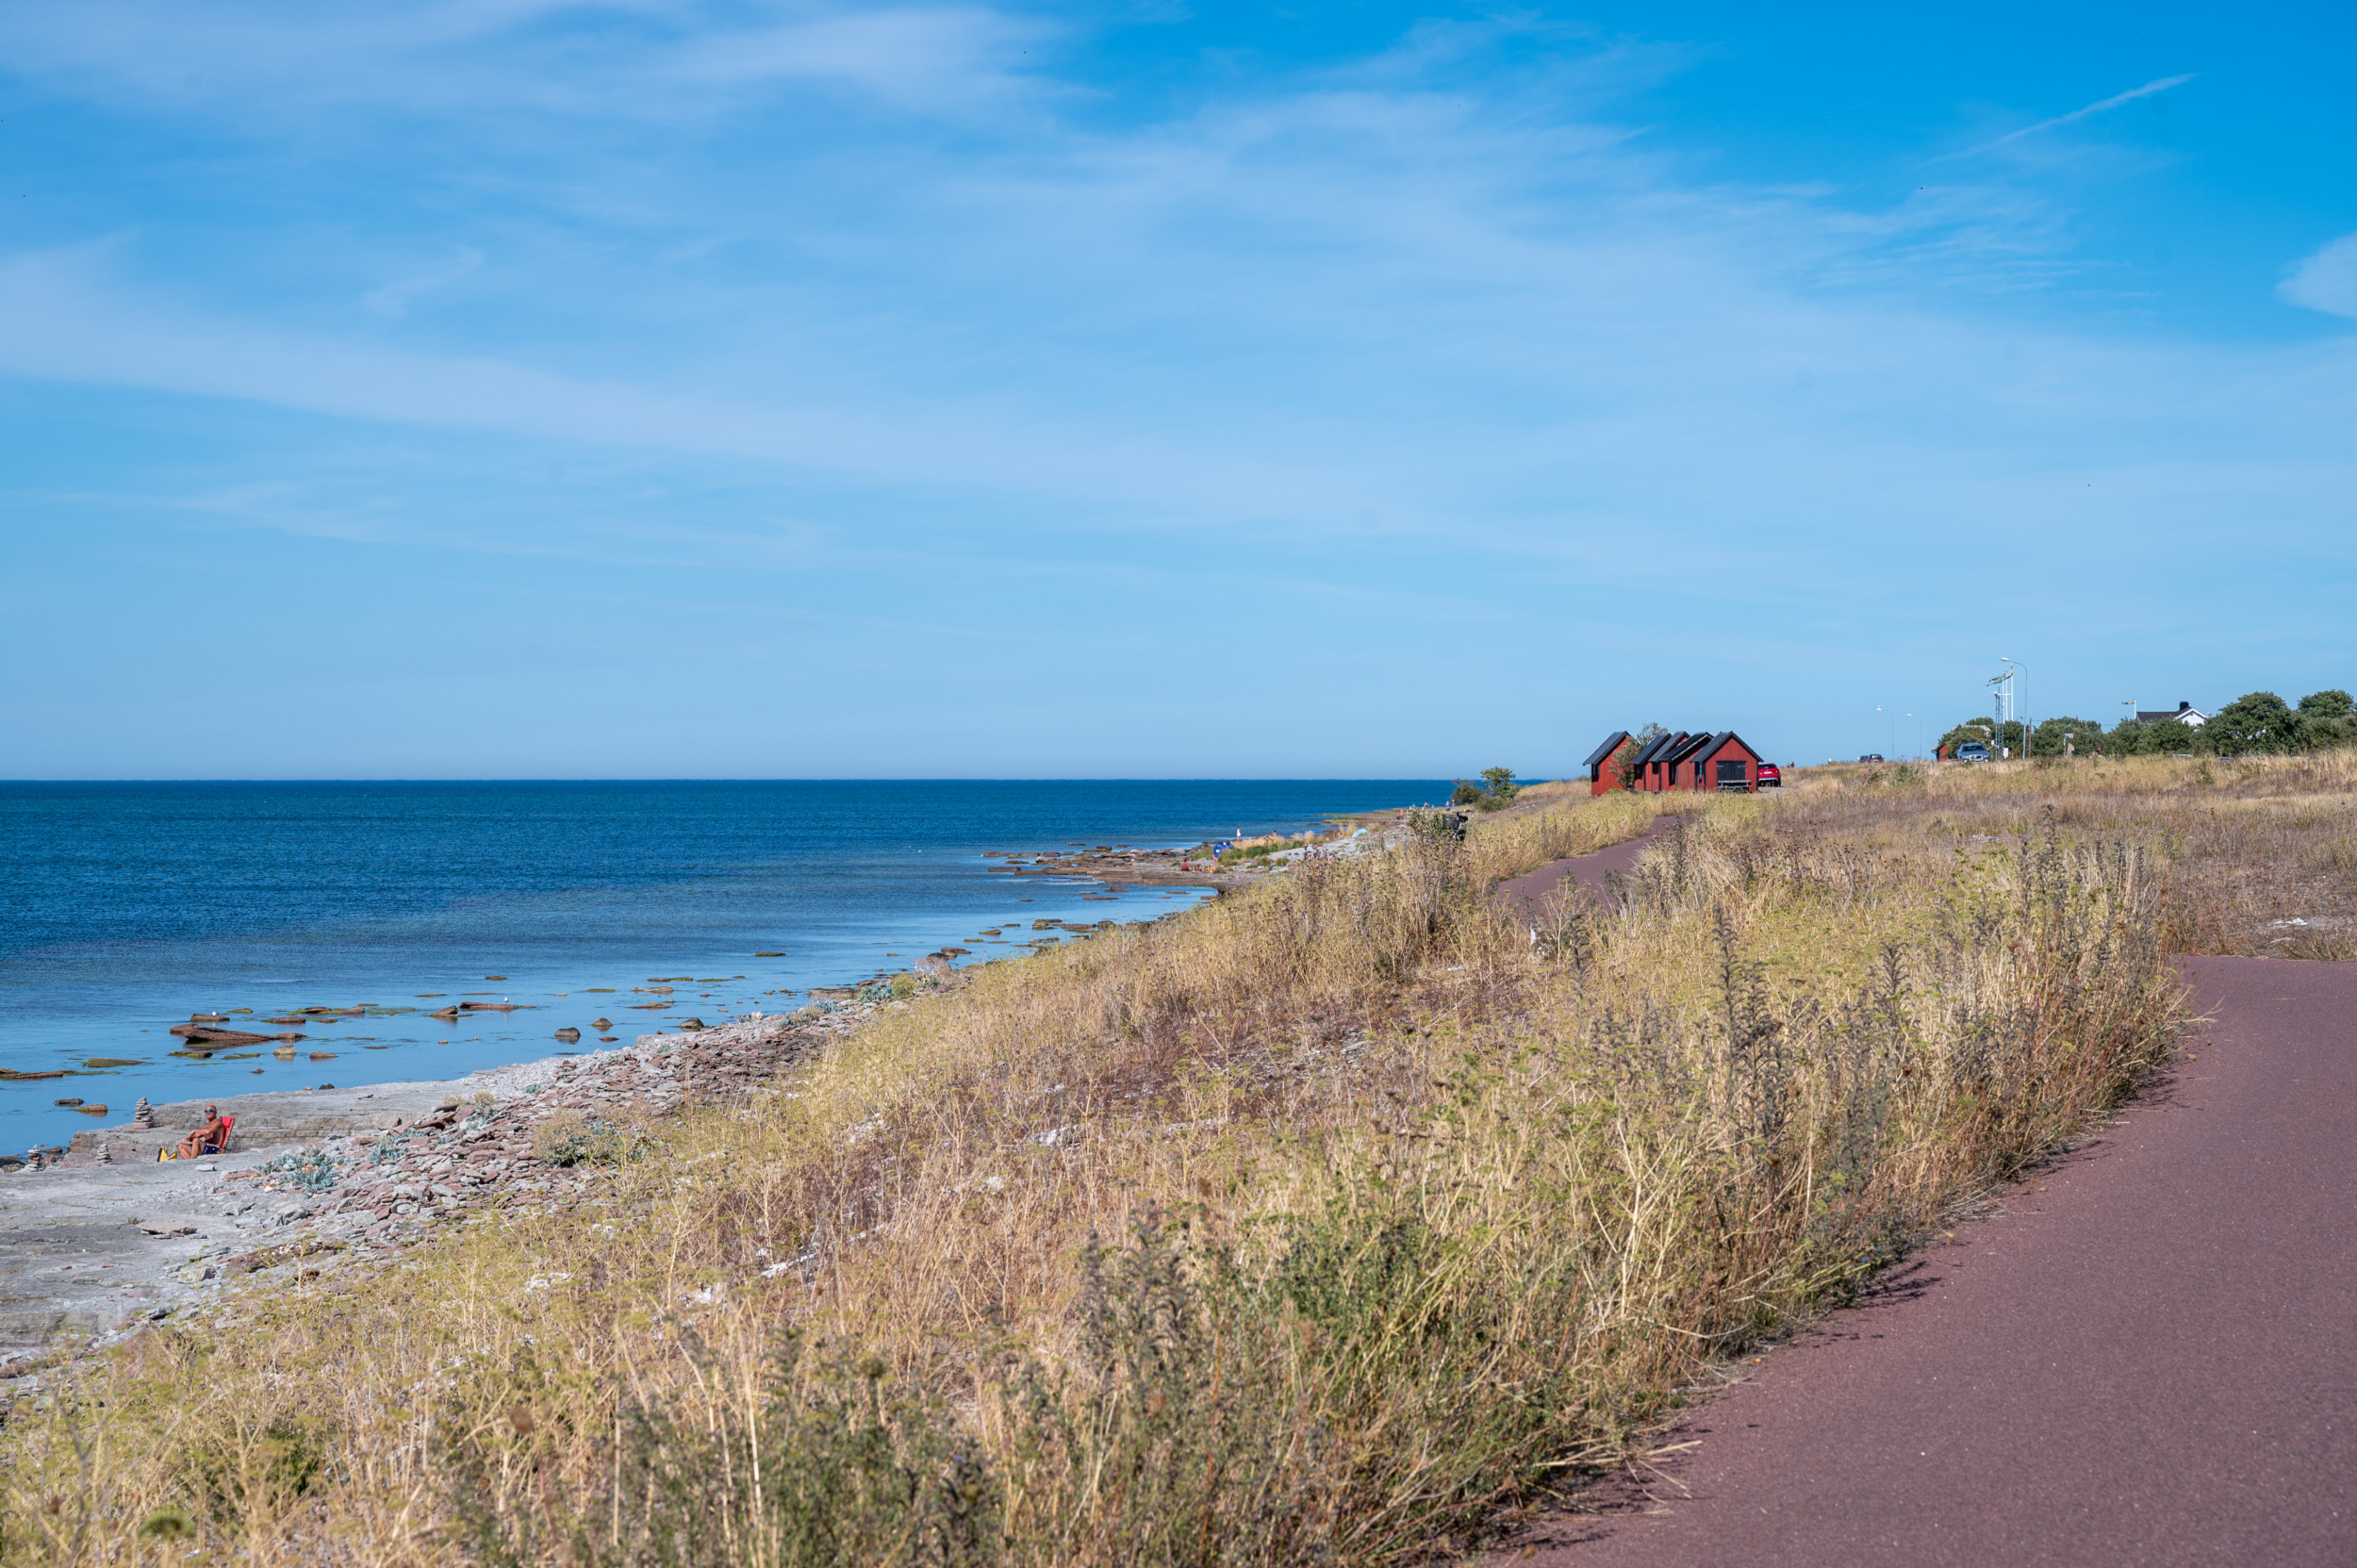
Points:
(2021, 703)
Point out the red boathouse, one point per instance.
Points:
(1684, 760)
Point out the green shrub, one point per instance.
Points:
(568, 1139)
(832, 1464)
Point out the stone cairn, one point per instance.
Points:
(106, 1153)
(143, 1114)
(34, 1161)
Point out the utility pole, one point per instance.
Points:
(2021, 703)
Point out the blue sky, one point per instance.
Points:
(514, 388)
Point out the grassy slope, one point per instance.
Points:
(1325, 1219)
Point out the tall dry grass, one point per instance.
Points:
(2258, 854)
(1324, 1222)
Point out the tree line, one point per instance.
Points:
(2256, 721)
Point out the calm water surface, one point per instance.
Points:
(125, 907)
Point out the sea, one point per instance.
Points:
(126, 908)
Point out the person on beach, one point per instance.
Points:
(211, 1138)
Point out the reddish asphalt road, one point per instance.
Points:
(2149, 1356)
(1532, 892)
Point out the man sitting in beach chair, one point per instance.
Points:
(211, 1138)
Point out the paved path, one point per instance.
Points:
(2150, 1358)
(1531, 892)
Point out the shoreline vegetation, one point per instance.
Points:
(1338, 1218)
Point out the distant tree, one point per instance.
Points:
(2256, 722)
(2328, 717)
(2134, 738)
(2053, 734)
(1637, 741)
(1500, 782)
(1988, 731)
(1467, 793)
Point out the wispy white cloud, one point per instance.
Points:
(2325, 281)
(62, 318)
(2099, 107)
(1378, 304)
(665, 57)
(392, 299)
(922, 60)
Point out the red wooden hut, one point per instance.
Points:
(1645, 766)
(1604, 769)
(1722, 761)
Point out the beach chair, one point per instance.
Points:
(228, 1130)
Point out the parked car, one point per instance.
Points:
(1872, 757)
(1769, 777)
(1973, 750)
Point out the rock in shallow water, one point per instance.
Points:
(204, 1034)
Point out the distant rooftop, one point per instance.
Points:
(2185, 713)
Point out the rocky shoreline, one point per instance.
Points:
(91, 1252)
(108, 1239)
(1117, 864)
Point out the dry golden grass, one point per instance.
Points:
(1327, 1220)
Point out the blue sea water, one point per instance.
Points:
(126, 907)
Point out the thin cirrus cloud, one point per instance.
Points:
(2101, 106)
(62, 318)
(1382, 298)
(2326, 280)
(503, 56)
(393, 299)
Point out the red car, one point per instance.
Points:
(1770, 777)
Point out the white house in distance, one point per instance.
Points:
(2185, 713)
